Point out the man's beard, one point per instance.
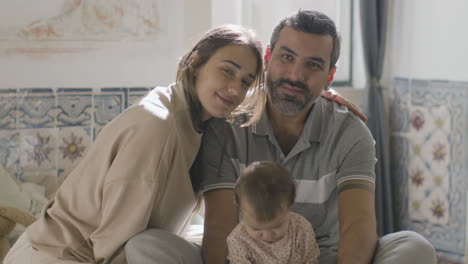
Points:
(288, 104)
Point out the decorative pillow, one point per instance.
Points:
(11, 193)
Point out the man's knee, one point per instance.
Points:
(159, 246)
(404, 247)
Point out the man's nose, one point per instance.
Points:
(296, 72)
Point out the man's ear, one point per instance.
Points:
(266, 58)
(331, 75)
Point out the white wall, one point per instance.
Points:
(429, 39)
(125, 63)
(426, 41)
(96, 63)
(197, 20)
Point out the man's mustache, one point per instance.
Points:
(300, 85)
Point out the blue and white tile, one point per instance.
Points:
(436, 207)
(8, 109)
(436, 153)
(74, 107)
(135, 94)
(444, 104)
(96, 130)
(420, 122)
(108, 104)
(419, 180)
(73, 142)
(38, 148)
(9, 148)
(36, 108)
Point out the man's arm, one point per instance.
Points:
(221, 216)
(358, 236)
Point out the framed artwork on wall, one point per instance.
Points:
(80, 20)
(88, 43)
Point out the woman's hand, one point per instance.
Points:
(332, 95)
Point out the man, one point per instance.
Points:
(328, 150)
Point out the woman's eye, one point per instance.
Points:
(246, 84)
(228, 71)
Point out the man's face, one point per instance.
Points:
(298, 69)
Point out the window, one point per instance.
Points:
(263, 15)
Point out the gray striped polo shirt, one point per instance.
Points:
(335, 146)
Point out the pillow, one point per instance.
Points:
(11, 194)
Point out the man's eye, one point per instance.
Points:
(312, 64)
(286, 57)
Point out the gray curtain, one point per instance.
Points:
(374, 28)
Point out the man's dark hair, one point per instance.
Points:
(309, 21)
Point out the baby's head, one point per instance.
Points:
(264, 193)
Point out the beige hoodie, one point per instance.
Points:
(135, 176)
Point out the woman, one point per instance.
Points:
(135, 175)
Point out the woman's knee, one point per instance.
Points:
(159, 246)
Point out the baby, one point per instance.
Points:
(269, 232)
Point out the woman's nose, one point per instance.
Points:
(234, 89)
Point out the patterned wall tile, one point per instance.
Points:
(429, 164)
(74, 107)
(430, 157)
(8, 109)
(36, 108)
(72, 144)
(38, 148)
(135, 94)
(9, 148)
(108, 104)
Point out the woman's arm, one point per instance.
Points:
(137, 170)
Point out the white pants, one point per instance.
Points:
(23, 252)
(156, 246)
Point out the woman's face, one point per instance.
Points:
(223, 81)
